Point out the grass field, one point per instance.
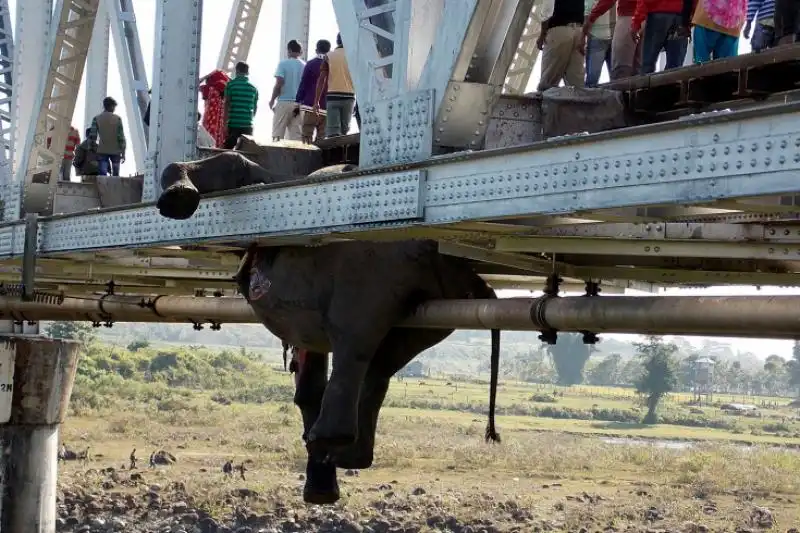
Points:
(433, 471)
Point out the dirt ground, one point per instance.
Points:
(432, 472)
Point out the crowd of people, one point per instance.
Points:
(102, 150)
(316, 99)
(628, 36)
(309, 101)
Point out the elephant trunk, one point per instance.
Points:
(184, 182)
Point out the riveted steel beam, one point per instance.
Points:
(240, 31)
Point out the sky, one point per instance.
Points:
(264, 56)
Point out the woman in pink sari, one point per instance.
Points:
(212, 87)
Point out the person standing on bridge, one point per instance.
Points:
(286, 112)
(85, 161)
(787, 21)
(241, 105)
(625, 51)
(306, 93)
(717, 26)
(334, 75)
(73, 140)
(763, 13)
(212, 89)
(111, 148)
(666, 28)
(562, 43)
(598, 44)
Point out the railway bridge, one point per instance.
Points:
(684, 178)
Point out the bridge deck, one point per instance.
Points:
(702, 199)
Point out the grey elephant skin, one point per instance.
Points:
(345, 298)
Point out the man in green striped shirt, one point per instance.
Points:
(241, 104)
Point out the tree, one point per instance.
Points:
(569, 355)
(660, 373)
(607, 372)
(139, 344)
(79, 331)
(775, 374)
(793, 366)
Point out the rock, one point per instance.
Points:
(691, 527)
(97, 523)
(351, 473)
(762, 517)
(419, 491)
(208, 525)
(190, 518)
(179, 507)
(117, 524)
(653, 514)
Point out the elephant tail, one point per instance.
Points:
(491, 432)
(486, 292)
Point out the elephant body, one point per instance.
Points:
(346, 298)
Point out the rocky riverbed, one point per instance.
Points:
(110, 501)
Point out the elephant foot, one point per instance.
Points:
(356, 457)
(322, 487)
(179, 201)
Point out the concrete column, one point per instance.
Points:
(36, 377)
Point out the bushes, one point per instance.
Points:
(543, 398)
(163, 380)
(626, 416)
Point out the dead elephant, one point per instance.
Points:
(345, 298)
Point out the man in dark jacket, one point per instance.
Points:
(85, 161)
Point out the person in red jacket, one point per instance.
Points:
(625, 52)
(666, 28)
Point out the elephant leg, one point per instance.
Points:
(311, 376)
(356, 330)
(396, 351)
(337, 423)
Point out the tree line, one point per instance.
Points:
(571, 362)
(465, 353)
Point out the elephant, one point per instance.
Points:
(344, 297)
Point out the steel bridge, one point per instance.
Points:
(697, 186)
(700, 189)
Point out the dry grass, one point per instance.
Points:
(551, 479)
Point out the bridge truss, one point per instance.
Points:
(700, 193)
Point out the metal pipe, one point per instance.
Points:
(729, 316)
(36, 377)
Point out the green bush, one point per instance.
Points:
(167, 380)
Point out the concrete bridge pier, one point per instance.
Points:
(36, 378)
